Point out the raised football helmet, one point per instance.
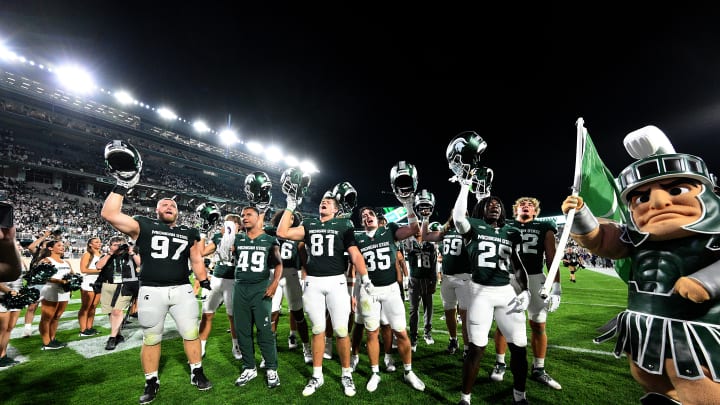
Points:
(435, 226)
(257, 189)
(463, 153)
(346, 196)
(294, 182)
(424, 203)
(209, 212)
(481, 182)
(123, 162)
(403, 180)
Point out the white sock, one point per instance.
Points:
(151, 375)
(346, 372)
(235, 343)
(407, 367)
(193, 366)
(500, 358)
(317, 372)
(375, 368)
(518, 395)
(202, 345)
(465, 397)
(539, 362)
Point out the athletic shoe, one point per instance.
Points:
(354, 360)
(262, 363)
(373, 382)
(53, 345)
(247, 375)
(86, 333)
(237, 353)
(198, 379)
(292, 342)
(413, 344)
(414, 381)
(466, 352)
(463, 402)
(328, 349)
(523, 401)
(151, 389)
(27, 331)
(498, 371)
(307, 354)
(273, 380)
(348, 385)
(428, 339)
(452, 346)
(111, 343)
(6, 361)
(312, 386)
(539, 375)
(389, 364)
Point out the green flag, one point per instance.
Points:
(602, 195)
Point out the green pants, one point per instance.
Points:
(250, 306)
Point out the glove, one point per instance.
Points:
(520, 302)
(128, 184)
(292, 202)
(552, 302)
(367, 284)
(572, 202)
(204, 289)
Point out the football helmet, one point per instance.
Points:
(123, 162)
(294, 182)
(257, 189)
(435, 226)
(403, 180)
(424, 203)
(346, 196)
(481, 182)
(209, 212)
(463, 153)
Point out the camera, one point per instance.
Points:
(57, 232)
(122, 250)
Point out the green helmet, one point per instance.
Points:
(209, 212)
(435, 226)
(463, 153)
(424, 203)
(346, 196)
(403, 179)
(257, 189)
(294, 182)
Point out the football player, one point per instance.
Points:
(165, 249)
(538, 247)
(326, 239)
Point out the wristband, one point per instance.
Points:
(120, 190)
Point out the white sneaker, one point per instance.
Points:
(292, 342)
(247, 375)
(307, 354)
(348, 385)
(498, 372)
(237, 353)
(354, 360)
(373, 382)
(389, 364)
(27, 331)
(273, 380)
(328, 349)
(312, 386)
(429, 340)
(414, 381)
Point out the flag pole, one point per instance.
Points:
(577, 181)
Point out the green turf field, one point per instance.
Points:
(588, 372)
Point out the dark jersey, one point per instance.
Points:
(422, 260)
(533, 243)
(455, 258)
(490, 251)
(380, 252)
(165, 252)
(326, 243)
(253, 257)
(288, 250)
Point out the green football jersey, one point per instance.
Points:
(422, 260)
(455, 258)
(490, 250)
(326, 243)
(253, 257)
(533, 243)
(380, 252)
(288, 249)
(165, 252)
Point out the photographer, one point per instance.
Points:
(118, 277)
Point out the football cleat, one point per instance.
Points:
(414, 381)
(151, 389)
(273, 380)
(538, 374)
(348, 385)
(312, 386)
(198, 379)
(373, 382)
(498, 372)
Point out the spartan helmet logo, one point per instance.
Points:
(463, 153)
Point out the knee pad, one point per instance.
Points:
(318, 329)
(151, 339)
(341, 332)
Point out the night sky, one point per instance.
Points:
(359, 89)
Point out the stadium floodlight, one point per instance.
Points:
(255, 147)
(228, 137)
(200, 126)
(167, 113)
(291, 161)
(273, 154)
(75, 78)
(308, 167)
(124, 97)
(6, 53)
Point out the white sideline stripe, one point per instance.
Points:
(580, 350)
